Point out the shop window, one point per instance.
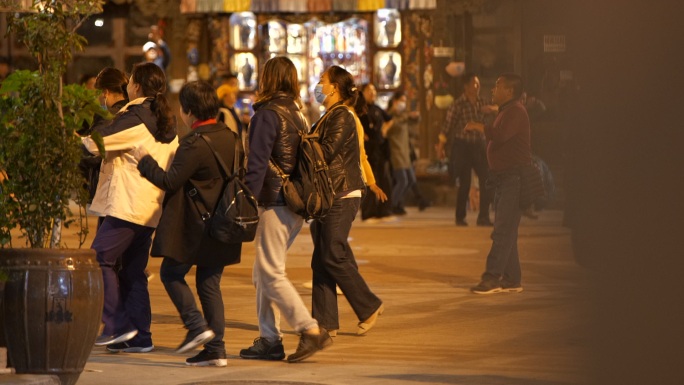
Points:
(243, 31)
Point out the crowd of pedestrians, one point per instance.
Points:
(369, 155)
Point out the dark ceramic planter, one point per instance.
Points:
(52, 308)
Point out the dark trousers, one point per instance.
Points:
(333, 263)
(466, 157)
(208, 283)
(503, 262)
(126, 298)
(371, 207)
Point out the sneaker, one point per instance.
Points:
(264, 350)
(366, 325)
(487, 287)
(509, 288)
(205, 358)
(309, 344)
(195, 338)
(104, 340)
(127, 347)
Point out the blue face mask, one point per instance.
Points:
(318, 94)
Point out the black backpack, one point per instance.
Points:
(236, 216)
(308, 191)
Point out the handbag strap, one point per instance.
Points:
(238, 170)
(317, 125)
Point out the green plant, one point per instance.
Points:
(39, 117)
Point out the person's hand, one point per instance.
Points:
(382, 197)
(490, 109)
(474, 126)
(439, 148)
(139, 153)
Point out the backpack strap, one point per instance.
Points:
(238, 170)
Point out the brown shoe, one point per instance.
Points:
(366, 325)
(309, 344)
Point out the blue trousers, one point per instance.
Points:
(208, 283)
(126, 298)
(333, 263)
(503, 263)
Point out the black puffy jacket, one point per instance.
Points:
(284, 153)
(340, 143)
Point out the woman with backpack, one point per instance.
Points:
(274, 138)
(333, 261)
(182, 238)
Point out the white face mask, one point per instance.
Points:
(318, 94)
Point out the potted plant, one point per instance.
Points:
(50, 292)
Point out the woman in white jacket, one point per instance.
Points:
(131, 206)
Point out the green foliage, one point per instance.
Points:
(39, 117)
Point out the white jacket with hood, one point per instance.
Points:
(122, 192)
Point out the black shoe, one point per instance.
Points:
(461, 222)
(309, 344)
(485, 222)
(205, 358)
(128, 347)
(423, 204)
(511, 288)
(195, 338)
(487, 287)
(264, 350)
(398, 211)
(104, 340)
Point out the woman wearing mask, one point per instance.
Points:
(112, 84)
(333, 260)
(181, 237)
(400, 151)
(131, 206)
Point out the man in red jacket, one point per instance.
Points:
(508, 149)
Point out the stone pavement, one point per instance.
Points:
(433, 329)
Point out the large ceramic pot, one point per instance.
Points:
(52, 309)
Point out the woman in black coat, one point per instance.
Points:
(181, 237)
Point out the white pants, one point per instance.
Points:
(275, 294)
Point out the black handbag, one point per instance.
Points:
(531, 185)
(236, 216)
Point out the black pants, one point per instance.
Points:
(466, 157)
(371, 207)
(208, 283)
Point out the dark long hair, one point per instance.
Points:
(112, 80)
(152, 80)
(345, 84)
(279, 75)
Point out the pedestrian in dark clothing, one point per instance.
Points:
(333, 261)
(508, 149)
(182, 237)
(467, 149)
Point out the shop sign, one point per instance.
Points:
(443, 51)
(554, 43)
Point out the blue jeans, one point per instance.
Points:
(126, 298)
(333, 264)
(403, 179)
(503, 263)
(275, 294)
(208, 283)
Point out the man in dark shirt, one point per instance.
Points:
(468, 148)
(508, 149)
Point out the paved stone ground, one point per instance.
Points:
(433, 330)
